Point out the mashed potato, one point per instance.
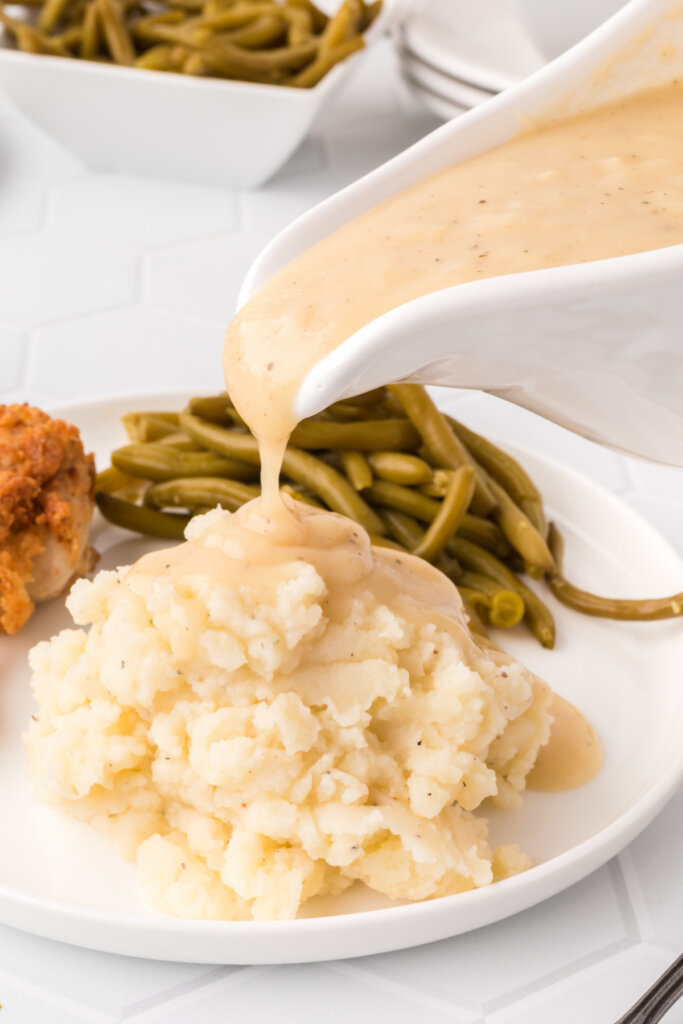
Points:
(253, 746)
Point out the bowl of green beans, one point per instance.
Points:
(218, 92)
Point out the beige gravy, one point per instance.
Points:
(573, 754)
(258, 549)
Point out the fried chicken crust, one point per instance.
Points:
(46, 504)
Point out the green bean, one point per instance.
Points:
(403, 528)
(188, 5)
(368, 399)
(345, 22)
(217, 64)
(640, 610)
(299, 495)
(379, 541)
(481, 531)
(239, 15)
(90, 39)
(318, 17)
(212, 6)
(300, 24)
(473, 599)
(113, 481)
(449, 516)
(141, 519)
(506, 607)
(194, 492)
(284, 58)
(51, 12)
(506, 471)
(116, 32)
(150, 426)
(159, 462)
(162, 29)
(332, 487)
(194, 64)
(520, 531)
(346, 411)
(161, 18)
(438, 482)
(30, 39)
(480, 601)
(235, 445)
(265, 31)
(403, 499)
(368, 436)
(180, 441)
(162, 57)
(444, 447)
(70, 37)
(408, 532)
(304, 468)
(357, 469)
(399, 467)
(536, 615)
(448, 565)
(484, 533)
(396, 408)
(324, 63)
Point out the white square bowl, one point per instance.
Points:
(207, 130)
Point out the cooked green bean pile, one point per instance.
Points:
(414, 478)
(276, 42)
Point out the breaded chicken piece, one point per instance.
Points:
(46, 504)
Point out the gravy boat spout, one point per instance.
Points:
(594, 346)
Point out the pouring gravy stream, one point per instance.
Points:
(602, 184)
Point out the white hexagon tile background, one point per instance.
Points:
(112, 284)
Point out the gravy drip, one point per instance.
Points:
(573, 754)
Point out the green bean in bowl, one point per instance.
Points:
(415, 479)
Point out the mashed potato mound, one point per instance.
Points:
(253, 751)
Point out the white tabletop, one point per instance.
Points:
(111, 284)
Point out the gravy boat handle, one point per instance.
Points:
(595, 346)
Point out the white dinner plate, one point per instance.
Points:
(61, 879)
(482, 43)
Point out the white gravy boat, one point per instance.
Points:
(596, 347)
